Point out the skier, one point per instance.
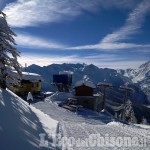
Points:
(29, 98)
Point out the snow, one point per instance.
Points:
(115, 123)
(49, 124)
(82, 124)
(65, 72)
(143, 126)
(59, 97)
(29, 76)
(8, 51)
(86, 83)
(20, 125)
(94, 73)
(138, 74)
(140, 77)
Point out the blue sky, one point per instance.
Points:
(107, 33)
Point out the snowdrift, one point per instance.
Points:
(20, 125)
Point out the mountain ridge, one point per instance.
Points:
(94, 73)
(140, 77)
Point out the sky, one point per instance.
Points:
(106, 33)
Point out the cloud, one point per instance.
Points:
(133, 23)
(43, 60)
(110, 46)
(102, 61)
(22, 13)
(31, 13)
(122, 64)
(29, 41)
(24, 40)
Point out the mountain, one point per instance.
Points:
(95, 74)
(140, 77)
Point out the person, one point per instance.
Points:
(29, 98)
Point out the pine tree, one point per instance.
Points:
(8, 52)
(129, 112)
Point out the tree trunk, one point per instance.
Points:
(3, 85)
(3, 74)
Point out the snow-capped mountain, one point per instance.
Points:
(92, 72)
(140, 77)
(139, 74)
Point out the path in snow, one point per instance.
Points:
(86, 122)
(61, 114)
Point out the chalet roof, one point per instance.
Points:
(31, 76)
(86, 83)
(28, 76)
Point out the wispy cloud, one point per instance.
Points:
(22, 13)
(121, 64)
(43, 60)
(30, 41)
(31, 13)
(132, 26)
(102, 61)
(110, 46)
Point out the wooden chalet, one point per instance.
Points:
(84, 93)
(29, 82)
(84, 88)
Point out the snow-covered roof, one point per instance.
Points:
(31, 76)
(65, 72)
(28, 76)
(86, 83)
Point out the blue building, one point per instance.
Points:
(63, 81)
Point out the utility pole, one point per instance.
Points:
(25, 69)
(105, 86)
(127, 90)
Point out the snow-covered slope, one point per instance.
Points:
(141, 77)
(139, 74)
(20, 125)
(82, 124)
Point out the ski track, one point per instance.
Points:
(77, 125)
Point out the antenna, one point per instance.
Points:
(25, 67)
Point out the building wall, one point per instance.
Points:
(91, 102)
(26, 87)
(63, 78)
(83, 91)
